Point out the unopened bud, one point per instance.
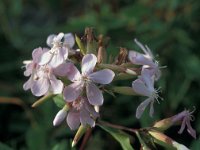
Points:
(60, 116)
(179, 146)
(166, 141)
(163, 124)
(81, 130)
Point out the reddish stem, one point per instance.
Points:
(86, 138)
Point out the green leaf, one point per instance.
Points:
(80, 45)
(59, 101)
(120, 136)
(4, 147)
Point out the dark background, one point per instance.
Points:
(170, 28)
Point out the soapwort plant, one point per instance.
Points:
(76, 72)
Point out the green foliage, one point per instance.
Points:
(120, 136)
(59, 101)
(4, 147)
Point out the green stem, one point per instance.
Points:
(144, 146)
(123, 90)
(42, 100)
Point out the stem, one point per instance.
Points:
(117, 126)
(43, 99)
(86, 138)
(143, 144)
(124, 90)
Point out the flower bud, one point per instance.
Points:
(82, 129)
(166, 141)
(60, 116)
(163, 124)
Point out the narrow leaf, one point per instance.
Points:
(80, 45)
(120, 136)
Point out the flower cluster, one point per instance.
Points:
(48, 65)
(81, 74)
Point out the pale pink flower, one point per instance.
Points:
(81, 112)
(43, 81)
(144, 86)
(60, 45)
(146, 59)
(87, 79)
(185, 116)
(32, 65)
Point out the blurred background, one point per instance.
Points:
(170, 28)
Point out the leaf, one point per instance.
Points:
(80, 45)
(120, 136)
(59, 101)
(4, 147)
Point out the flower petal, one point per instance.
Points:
(139, 59)
(73, 119)
(104, 76)
(62, 70)
(57, 58)
(94, 95)
(50, 40)
(60, 116)
(151, 108)
(148, 80)
(85, 118)
(45, 58)
(58, 38)
(36, 54)
(140, 88)
(69, 40)
(73, 74)
(190, 130)
(183, 124)
(72, 91)
(28, 84)
(40, 87)
(88, 63)
(145, 49)
(142, 107)
(29, 69)
(56, 85)
(90, 109)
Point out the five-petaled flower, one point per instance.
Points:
(87, 79)
(42, 79)
(144, 86)
(80, 112)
